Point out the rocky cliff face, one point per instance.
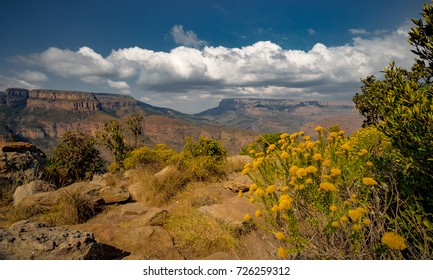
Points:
(43, 116)
(77, 101)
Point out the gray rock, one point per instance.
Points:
(135, 228)
(20, 162)
(27, 240)
(99, 194)
(30, 189)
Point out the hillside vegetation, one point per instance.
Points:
(327, 195)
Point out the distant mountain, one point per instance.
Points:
(283, 115)
(42, 116)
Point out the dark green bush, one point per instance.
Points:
(74, 159)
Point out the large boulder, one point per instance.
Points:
(98, 191)
(31, 189)
(135, 228)
(27, 240)
(20, 162)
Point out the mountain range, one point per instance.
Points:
(41, 116)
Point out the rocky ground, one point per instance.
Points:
(127, 227)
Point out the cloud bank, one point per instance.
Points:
(191, 79)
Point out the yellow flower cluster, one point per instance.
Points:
(282, 253)
(285, 202)
(270, 148)
(335, 172)
(279, 235)
(328, 186)
(317, 157)
(393, 241)
(257, 162)
(356, 214)
(311, 169)
(362, 152)
(246, 169)
(247, 217)
(369, 181)
(271, 189)
(301, 172)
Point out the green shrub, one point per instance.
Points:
(205, 158)
(114, 139)
(401, 106)
(74, 159)
(262, 143)
(158, 157)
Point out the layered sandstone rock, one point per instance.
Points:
(77, 100)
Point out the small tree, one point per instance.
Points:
(74, 159)
(113, 138)
(134, 124)
(401, 105)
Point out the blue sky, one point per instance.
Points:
(187, 55)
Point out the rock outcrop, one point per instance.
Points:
(19, 162)
(97, 191)
(27, 240)
(77, 101)
(28, 190)
(135, 228)
(42, 116)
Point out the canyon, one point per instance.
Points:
(41, 116)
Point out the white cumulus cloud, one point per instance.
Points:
(187, 76)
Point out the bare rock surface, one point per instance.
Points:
(27, 240)
(231, 211)
(98, 191)
(135, 228)
(236, 182)
(30, 189)
(20, 162)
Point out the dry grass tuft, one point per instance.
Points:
(159, 188)
(73, 208)
(198, 235)
(25, 213)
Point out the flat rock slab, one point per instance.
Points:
(134, 228)
(97, 192)
(27, 240)
(231, 211)
(30, 189)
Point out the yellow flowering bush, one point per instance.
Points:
(393, 241)
(319, 197)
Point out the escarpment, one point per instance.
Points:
(42, 116)
(77, 101)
